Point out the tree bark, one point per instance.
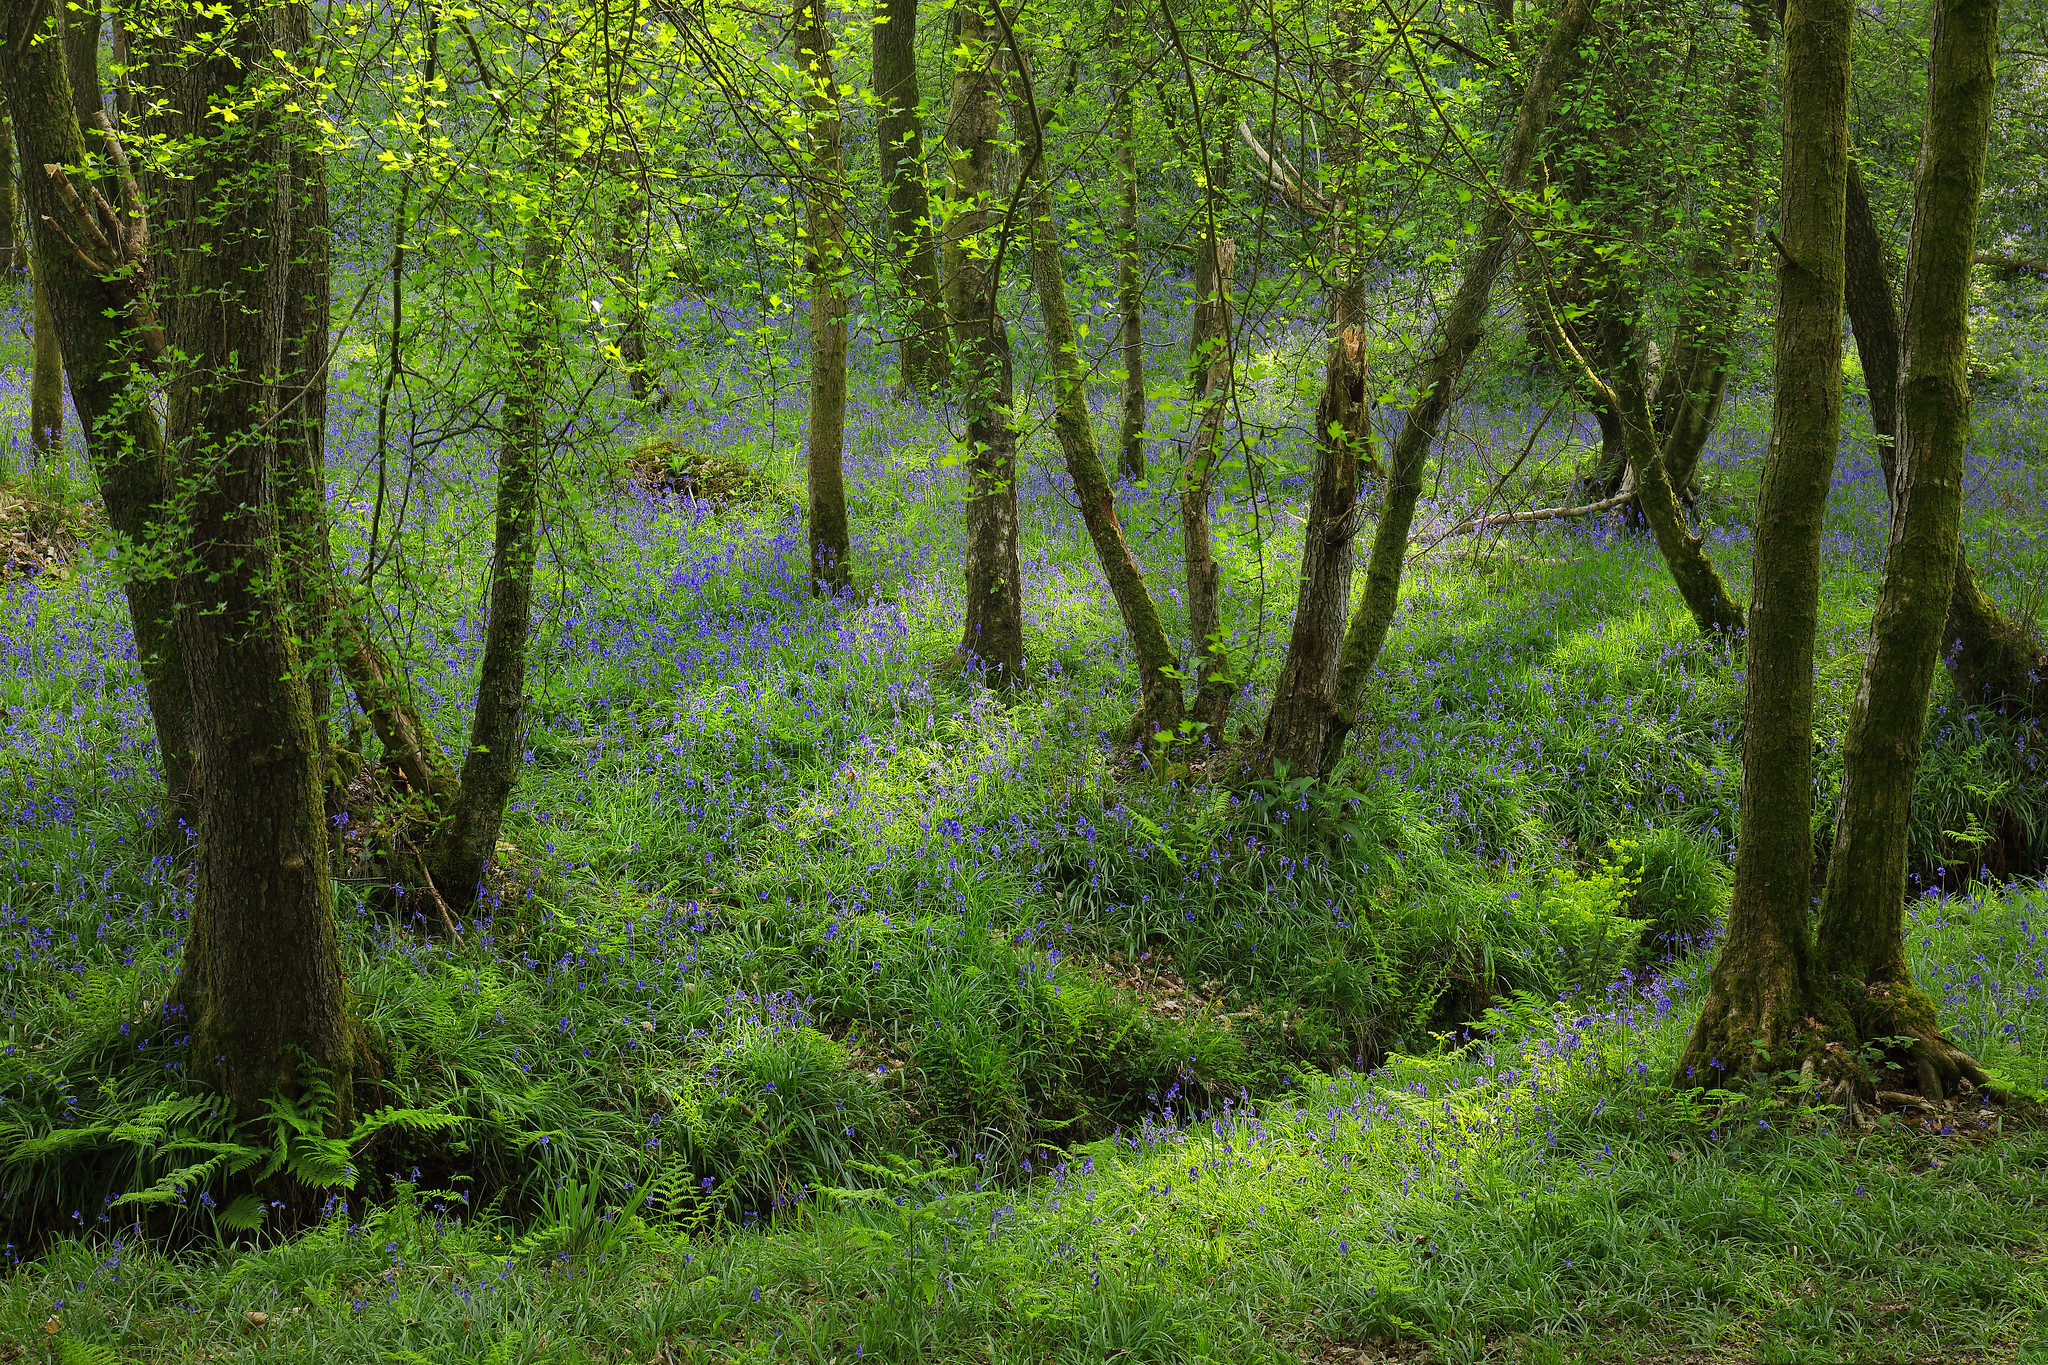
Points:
(121, 432)
(1874, 321)
(46, 379)
(261, 979)
(1130, 288)
(13, 252)
(1304, 698)
(1214, 688)
(1862, 910)
(1991, 657)
(1762, 992)
(628, 239)
(1161, 704)
(303, 532)
(468, 835)
(1699, 582)
(1305, 695)
(922, 356)
(993, 639)
(1367, 633)
(825, 215)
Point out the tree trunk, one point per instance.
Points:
(825, 221)
(1762, 991)
(1991, 657)
(1626, 395)
(899, 132)
(1161, 704)
(121, 432)
(628, 238)
(1305, 696)
(303, 532)
(993, 640)
(46, 381)
(1214, 687)
(1874, 321)
(1367, 633)
(1862, 911)
(13, 253)
(1130, 288)
(467, 837)
(261, 980)
(1304, 699)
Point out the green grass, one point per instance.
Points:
(794, 923)
(1530, 1194)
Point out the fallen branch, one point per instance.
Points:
(1998, 260)
(1538, 514)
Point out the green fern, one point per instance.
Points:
(71, 1352)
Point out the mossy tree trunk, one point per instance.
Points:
(899, 133)
(1862, 910)
(1213, 687)
(993, 638)
(101, 339)
(1458, 338)
(261, 979)
(1699, 582)
(1991, 657)
(1763, 990)
(825, 227)
(467, 836)
(301, 439)
(1161, 704)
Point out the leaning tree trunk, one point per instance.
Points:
(468, 835)
(900, 135)
(993, 638)
(825, 221)
(261, 981)
(1991, 657)
(1699, 582)
(104, 325)
(1689, 392)
(1862, 911)
(1874, 321)
(1130, 288)
(1161, 704)
(1459, 337)
(1763, 988)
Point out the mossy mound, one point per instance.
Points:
(663, 469)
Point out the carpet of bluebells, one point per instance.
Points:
(826, 1005)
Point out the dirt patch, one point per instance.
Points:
(663, 469)
(39, 537)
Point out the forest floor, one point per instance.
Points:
(828, 1006)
